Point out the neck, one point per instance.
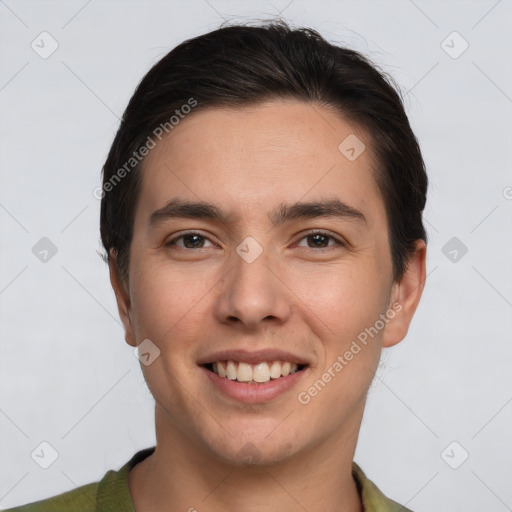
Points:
(181, 474)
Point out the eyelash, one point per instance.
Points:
(337, 241)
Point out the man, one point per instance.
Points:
(261, 214)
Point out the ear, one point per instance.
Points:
(405, 296)
(122, 293)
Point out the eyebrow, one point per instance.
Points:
(178, 208)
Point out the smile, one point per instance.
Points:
(253, 373)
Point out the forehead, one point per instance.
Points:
(260, 155)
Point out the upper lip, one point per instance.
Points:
(252, 357)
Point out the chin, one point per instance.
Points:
(256, 452)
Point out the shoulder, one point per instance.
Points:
(82, 499)
(110, 493)
(371, 496)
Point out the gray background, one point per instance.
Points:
(67, 376)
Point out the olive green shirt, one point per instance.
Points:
(112, 494)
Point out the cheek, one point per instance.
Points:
(344, 300)
(171, 310)
(343, 305)
(167, 305)
(342, 311)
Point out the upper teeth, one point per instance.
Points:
(261, 372)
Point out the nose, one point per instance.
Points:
(253, 294)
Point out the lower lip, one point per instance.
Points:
(254, 393)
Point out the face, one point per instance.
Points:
(260, 249)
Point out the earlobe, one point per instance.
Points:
(405, 296)
(122, 294)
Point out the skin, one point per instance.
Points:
(298, 295)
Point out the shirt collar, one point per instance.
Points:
(113, 493)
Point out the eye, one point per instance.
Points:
(313, 240)
(190, 240)
(319, 240)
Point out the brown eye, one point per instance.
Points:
(189, 241)
(319, 241)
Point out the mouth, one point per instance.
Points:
(255, 374)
